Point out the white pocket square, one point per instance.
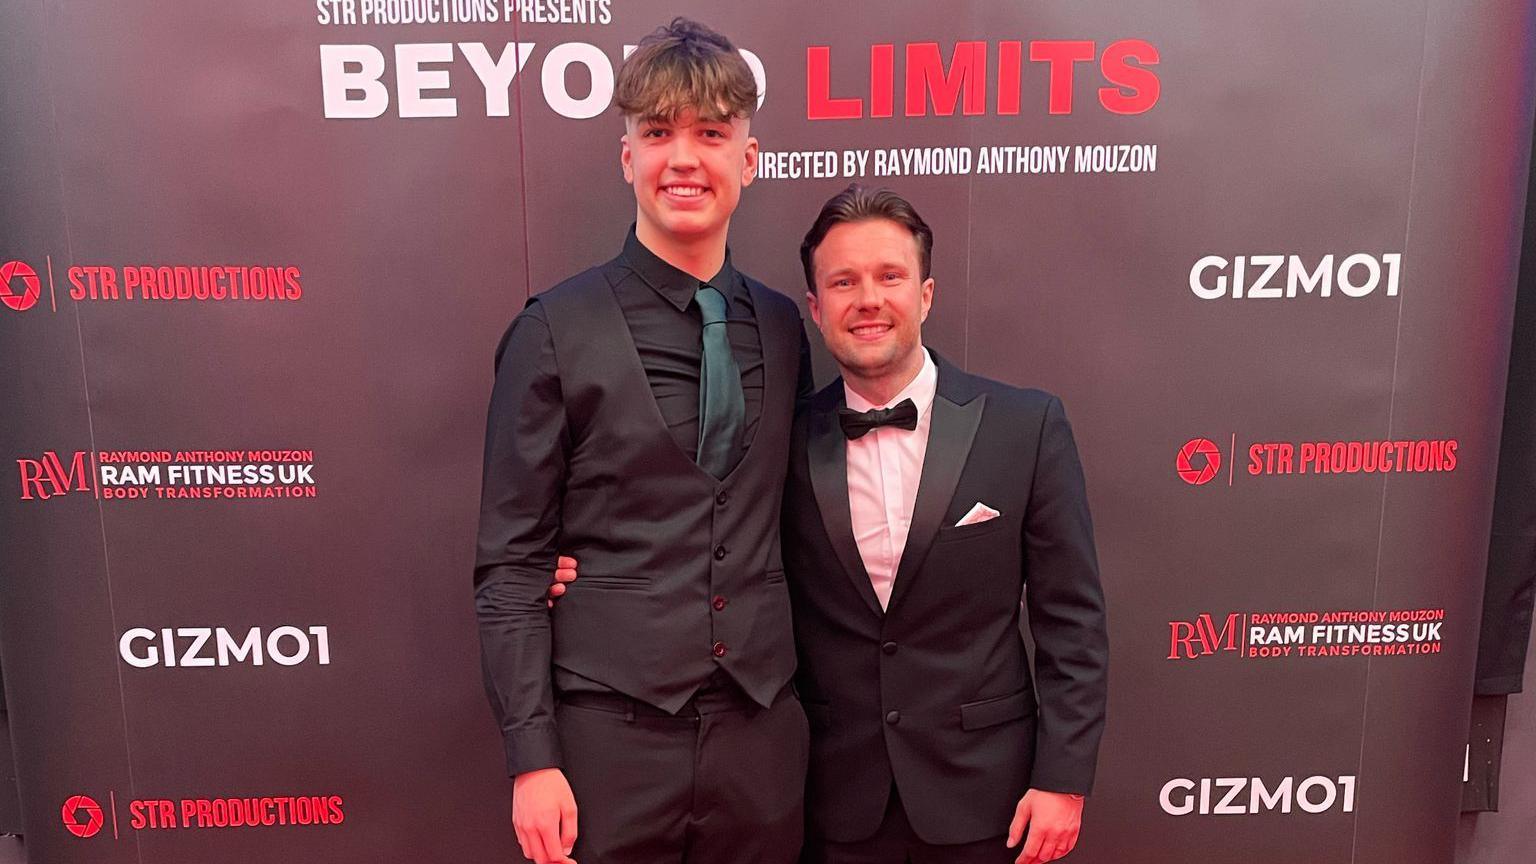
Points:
(978, 513)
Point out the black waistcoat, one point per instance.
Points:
(680, 574)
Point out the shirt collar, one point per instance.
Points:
(920, 390)
(676, 286)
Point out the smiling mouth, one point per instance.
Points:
(870, 331)
(685, 191)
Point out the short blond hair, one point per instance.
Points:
(685, 65)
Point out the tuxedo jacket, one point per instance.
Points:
(935, 693)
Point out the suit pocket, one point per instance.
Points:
(773, 576)
(609, 583)
(965, 532)
(990, 712)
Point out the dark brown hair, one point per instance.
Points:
(857, 204)
(685, 65)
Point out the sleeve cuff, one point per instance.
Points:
(1065, 778)
(531, 750)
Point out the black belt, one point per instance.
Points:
(715, 696)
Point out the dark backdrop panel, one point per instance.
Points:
(189, 136)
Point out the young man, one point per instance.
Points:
(640, 420)
(921, 501)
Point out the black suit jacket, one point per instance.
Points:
(936, 693)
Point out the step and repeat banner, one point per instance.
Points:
(256, 257)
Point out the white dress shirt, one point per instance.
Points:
(884, 467)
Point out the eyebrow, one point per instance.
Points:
(884, 265)
(669, 118)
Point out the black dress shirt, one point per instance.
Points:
(666, 324)
(668, 331)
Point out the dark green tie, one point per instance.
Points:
(721, 406)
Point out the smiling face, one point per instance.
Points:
(687, 174)
(870, 302)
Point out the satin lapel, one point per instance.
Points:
(949, 443)
(828, 453)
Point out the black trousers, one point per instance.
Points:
(722, 782)
(895, 843)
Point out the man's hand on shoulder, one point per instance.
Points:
(544, 816)
(565, 571)
(1053, 820)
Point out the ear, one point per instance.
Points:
(749, 170)
(626, 160)
(814, 305)
(927, 301)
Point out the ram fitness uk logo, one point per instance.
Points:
(19, 286)
(169, 474)
(1309, 633)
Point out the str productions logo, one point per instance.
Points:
(82, 816)
(19, 287)
(1198, 461)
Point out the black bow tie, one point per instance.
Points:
(857, 423)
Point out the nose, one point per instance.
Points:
(869, 295)
(682, 155)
